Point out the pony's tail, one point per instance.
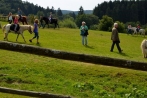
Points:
(4, 28)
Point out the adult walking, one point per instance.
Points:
(10, 19)
(84, 33)
(115, 38)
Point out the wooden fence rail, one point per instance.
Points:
(3, 18)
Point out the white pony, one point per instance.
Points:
(144, 48)
(6, 28)
(141, 31)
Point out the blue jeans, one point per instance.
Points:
(36, 35)
(129, 31)
(84, 40)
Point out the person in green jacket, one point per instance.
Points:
(84, 33)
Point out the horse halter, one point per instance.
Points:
(30, 30)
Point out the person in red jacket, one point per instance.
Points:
(138, 28)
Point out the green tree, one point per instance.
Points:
(89, 19)
(81, 11)
(72, 14)
(40, 13)
(105, 23)
(59, 12)
(68, 22)
(121, 27)
(67, 16)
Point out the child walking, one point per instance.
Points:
(35, 30)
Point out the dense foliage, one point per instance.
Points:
(26, 7)
(104, 15)
(123, 10)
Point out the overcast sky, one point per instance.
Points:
(72, 5)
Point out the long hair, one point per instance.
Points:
(36, 21)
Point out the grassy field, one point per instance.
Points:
(77, 79)
(99, 42)
(4, 95)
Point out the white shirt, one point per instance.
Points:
(129, 26)
(10, 17)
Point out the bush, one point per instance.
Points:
(94, 27)
(121, 27)
(145, 30)
(68, 23)
(105, 23)
(88, 18)
(31, 18)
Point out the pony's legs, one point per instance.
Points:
(17, 37)
(26, 22)
(48, 25)
(6, 36)
(58, 25)
(44, 26)
(23, 23)
(23, 37)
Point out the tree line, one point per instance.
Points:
(27, 8)
(123, 10)
(103, 16)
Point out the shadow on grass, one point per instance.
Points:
(26, 43)
(91, 47)
(123, 54)
(38, 44)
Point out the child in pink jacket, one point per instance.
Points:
(16, 22)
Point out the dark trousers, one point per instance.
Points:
(117, 44)
(129, 31)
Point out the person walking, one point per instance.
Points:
(115, 38)
(84, 33)
(10, 19)
(35, 30)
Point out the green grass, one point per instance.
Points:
(77, 79)
(4, 95)
(99, 42)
